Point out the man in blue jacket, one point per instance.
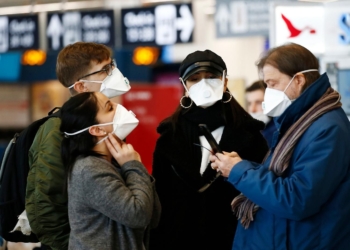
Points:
(299, 197)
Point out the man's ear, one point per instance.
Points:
(300, 81)
(97, 131)
(79, 87)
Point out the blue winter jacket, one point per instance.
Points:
(309, 207)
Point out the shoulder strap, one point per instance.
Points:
(55, 112)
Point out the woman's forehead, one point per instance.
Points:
(101, 99)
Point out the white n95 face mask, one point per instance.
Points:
(124, 122)
(206, 92)
(114, 85)
(260, 116)
(276, 101)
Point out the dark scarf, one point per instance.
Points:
(241, 205)
(213, 117)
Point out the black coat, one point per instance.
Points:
(193, 220)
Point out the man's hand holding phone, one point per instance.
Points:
(224, 162)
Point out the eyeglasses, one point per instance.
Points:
(107, 69)
(218, 174)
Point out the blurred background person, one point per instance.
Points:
(254, 98)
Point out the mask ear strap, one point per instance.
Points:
(308, 70)
(304, 71)
(223, 76)
(289, 82)
(184, 85)
(84, 129)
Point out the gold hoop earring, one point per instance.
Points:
(229, 98)
(183, 105)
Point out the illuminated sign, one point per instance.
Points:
(70, 27)
(145, 55)
(34, 57)
(344, 25)
(303, 25)
(159, 25)
(241, 18)
(18, 33)
(337, 28)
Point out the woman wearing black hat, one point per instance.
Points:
(196, 211)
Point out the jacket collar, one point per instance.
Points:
(304, 102)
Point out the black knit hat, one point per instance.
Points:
(201, 60)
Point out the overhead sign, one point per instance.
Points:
(337, 28)
(18, 33)
(303, 25)
(70, 27)
(241, 18)
(159, 25)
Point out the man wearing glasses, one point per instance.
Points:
(81, 67)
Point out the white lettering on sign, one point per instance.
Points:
(161, 27)
(24, 40)
(258, 17)
(80, 26)
(223, 18)
(4, 41)
(165, 24)
(98, 36)
(96, 29)
(24, 26)
(241, 18)
(55, 30)
(72, 27)
(140, 27)
(143, 34)
(97, 22)
(139, 95)
(185, 23)
(21, 33)
(143, 18)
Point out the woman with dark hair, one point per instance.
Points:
(196, 212)
(112, 202)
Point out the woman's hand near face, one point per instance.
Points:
(224, 162)
(121, 151)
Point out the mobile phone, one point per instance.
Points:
(212, 142)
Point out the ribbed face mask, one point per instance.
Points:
(260, 116)
(124, 122)
(206, 92)
(114, 85)
(276, 101)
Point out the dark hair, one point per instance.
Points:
(290, 59)
(257, 85)
(77, 113)
(238, 112)
(74, 60)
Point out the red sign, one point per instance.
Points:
(151, 104)
(294, 31)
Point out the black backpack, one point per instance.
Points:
(13, 180)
